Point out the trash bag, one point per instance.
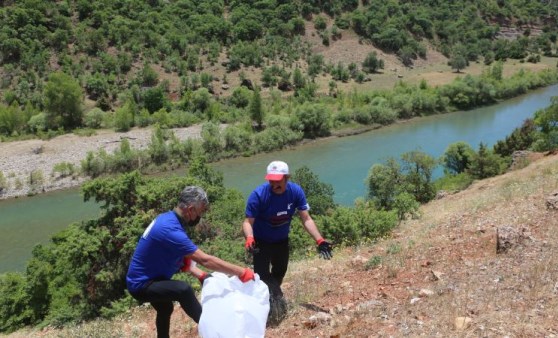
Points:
(234, 309)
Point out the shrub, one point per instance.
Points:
(3, 183)
(94, 118)
(63, 169)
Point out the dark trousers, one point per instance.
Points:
(161, 295)
(270, 262)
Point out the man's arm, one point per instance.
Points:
(216, 264)
(309, 224)
(247, 227)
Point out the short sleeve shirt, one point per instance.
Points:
(272, 212)
(159, 253)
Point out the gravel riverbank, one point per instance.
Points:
(18, 159)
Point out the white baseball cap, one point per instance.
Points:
(276, 170)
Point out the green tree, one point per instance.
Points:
(255, 109)
(486, 164)
(313, 119)
(372, 64)
(319, 195)
(417, 168)
(124, 117)
(457, 157)
(63, 101)
(457, 62)
(546, 121)
(384, 182)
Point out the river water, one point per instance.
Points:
(343, 162)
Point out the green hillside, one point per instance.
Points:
(164, 54)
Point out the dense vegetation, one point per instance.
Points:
(53, 54)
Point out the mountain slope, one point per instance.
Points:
(437, 276)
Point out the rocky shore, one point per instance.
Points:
(19, 159)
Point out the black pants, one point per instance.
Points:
(161, 295)
(270, 262)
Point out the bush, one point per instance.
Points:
(37, 123)
(314, 120)
(94, 118)
(63, 169)
(14, 310)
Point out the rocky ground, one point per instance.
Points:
(479, 263)
(19, 159)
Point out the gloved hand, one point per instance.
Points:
(203, 277)
(324, 248)
(250, 244)
(186, 264)
(247, 275)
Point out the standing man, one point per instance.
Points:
(165, 249)
(269, 211)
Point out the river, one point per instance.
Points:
(343, 162)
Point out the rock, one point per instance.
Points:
(317, 319)
(358, 261)
(426, 293)
(436, 275)
(508, 237)
(552, 201)
(461, 323)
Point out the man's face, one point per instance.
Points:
(279, 187)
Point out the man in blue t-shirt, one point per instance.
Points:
(269, 211)
(165, 249)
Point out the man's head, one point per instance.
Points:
(278, 175)
(193, 203)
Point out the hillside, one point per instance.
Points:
(437, 276)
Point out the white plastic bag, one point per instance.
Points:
(232, 309)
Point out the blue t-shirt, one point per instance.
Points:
(159, 253)
(272, 212)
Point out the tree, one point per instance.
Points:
(255, 108)
(546, 121)
(485, 163)
(371, 64)
(318, 194)
(63, 98)
(417, 168)
(457, 62)
(457, 157)
(384, 182)
(313, 119)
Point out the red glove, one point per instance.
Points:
(203, 276)
(247, 275)
(250, 244)
(186, 264)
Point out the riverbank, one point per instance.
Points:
(22, 158)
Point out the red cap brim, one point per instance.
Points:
(274, 177)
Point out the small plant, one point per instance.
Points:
(18, 184)
(63, 169)
(36, 179)
(373, 262)
(394, 248)
(3, 183)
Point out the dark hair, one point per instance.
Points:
(192, 195)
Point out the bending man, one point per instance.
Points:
(165, 249)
